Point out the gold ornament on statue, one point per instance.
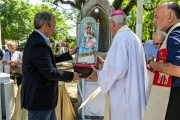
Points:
(89, 23)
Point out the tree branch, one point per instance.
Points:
(151, 4)
(148, 9)
(117, 3)
(129, 6)
(75, 5)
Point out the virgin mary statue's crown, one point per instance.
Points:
(89, 24)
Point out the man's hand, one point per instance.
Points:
(8, 62)
(76, 76)
(149, 60)
(14, 62)
(93, 75)
(100, 60)
(73, 51)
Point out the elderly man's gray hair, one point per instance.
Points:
(119, 19)
(41, 18)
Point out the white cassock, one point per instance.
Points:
(124, 77)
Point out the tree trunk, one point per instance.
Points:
(3, 42)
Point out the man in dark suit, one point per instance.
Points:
(39, 91)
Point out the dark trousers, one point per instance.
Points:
(42, 115)
(173, 110)
(18, 79)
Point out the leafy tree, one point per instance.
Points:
(71, 41)
(129, 7)
(16, 18)
(61, 26)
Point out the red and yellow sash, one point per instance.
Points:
(161, 87)
(161, 79)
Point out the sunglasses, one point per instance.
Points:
(158, 44)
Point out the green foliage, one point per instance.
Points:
(131, 19)
(71, 41)
(71, 14)
(147, 18)
(72, 44)
(17, 20)
(61, 26)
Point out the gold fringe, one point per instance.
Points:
(85, 54)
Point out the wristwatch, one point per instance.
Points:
(150, 60)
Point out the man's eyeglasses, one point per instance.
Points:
(158, 44)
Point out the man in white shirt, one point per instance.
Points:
(123, 75)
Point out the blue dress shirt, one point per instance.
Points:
(45, 38)
(150, 49)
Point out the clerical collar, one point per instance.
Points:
(123, 28)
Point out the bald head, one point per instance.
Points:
(158, 38)
(172, 6)
(166, 15)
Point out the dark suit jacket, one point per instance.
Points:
(39, 89)
(1, 54)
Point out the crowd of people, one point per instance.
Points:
(13, 57)
(123, 77)
(59, 47)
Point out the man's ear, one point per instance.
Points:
(171, 16)
(113, 23)
(46, 25)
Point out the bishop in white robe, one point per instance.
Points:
(123, 75)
